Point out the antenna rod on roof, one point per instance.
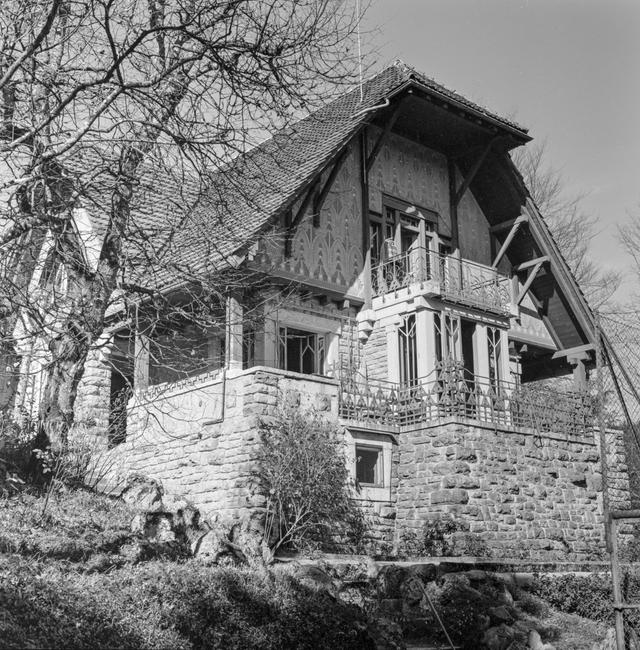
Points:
(359, 50)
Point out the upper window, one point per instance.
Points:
(300, 351)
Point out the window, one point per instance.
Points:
(494, 343)
(448, 343)
(300, 351)
(408, 351)
(369, 469)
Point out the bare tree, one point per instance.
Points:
(111, 106)
(572, 229)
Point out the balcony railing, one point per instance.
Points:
(455, 279)
(452, 392)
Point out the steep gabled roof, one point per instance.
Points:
(239, 201)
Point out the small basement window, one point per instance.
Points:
(369, 469)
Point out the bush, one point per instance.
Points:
(304, 474)
(589, 596)
(441, 536)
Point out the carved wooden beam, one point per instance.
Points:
(382, 137)
(529, 263)
(507, 242)
(530, 278)
(474, 170)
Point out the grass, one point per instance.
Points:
(65, 583)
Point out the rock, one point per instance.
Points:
(412, 590)
(500, 614)
(314, 576)
(498, 638)
(506, 597)
(389, 580)
(155, 527)
(143, 494)
(535, 642)
(209, 547)
(426, 572)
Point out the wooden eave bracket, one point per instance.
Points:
(473, 171)
(579, 353)
(382, 137)
(530, 278)
(515, 225)
(291, 222)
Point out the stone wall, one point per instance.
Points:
(517, 494)
(200, 439)
(521, 495)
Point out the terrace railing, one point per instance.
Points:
(453, 392)
(455, 279)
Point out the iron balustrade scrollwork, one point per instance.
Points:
(456, 279)
(451, 391)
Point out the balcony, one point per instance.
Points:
(456, 280)
(451, 392)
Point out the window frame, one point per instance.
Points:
(319, 350)
(379, 481)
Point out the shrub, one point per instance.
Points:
(589, 596)
(304, 474)
(441, 536)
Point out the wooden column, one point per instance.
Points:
(364, 199)
(233, 346)
(579, 373)
(453, 205)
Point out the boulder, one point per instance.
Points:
(500, 615)
(498, 638)
(143, 494)
(210, 547)
(535, 642)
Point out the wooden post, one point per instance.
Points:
(364, 198)
(453, 206)
(233, 346)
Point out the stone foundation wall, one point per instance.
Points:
(200, 438)
(515, 494)
(520, 495)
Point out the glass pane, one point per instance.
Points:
(367, 465)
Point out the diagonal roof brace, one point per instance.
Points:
(507, 242)
(473, 171)
(318, 199)
(382, 137)
(530, 278)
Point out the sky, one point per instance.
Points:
(568, 70)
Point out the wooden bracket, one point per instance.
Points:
(515, 225)
(318, 197)
(474, 170)
(499, 227)
(381, 138)
(530, 278)
(529, 263)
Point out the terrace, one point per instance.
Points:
(451, 392)
(452, 278)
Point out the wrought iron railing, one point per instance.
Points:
(452, 392)
(455, 279)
